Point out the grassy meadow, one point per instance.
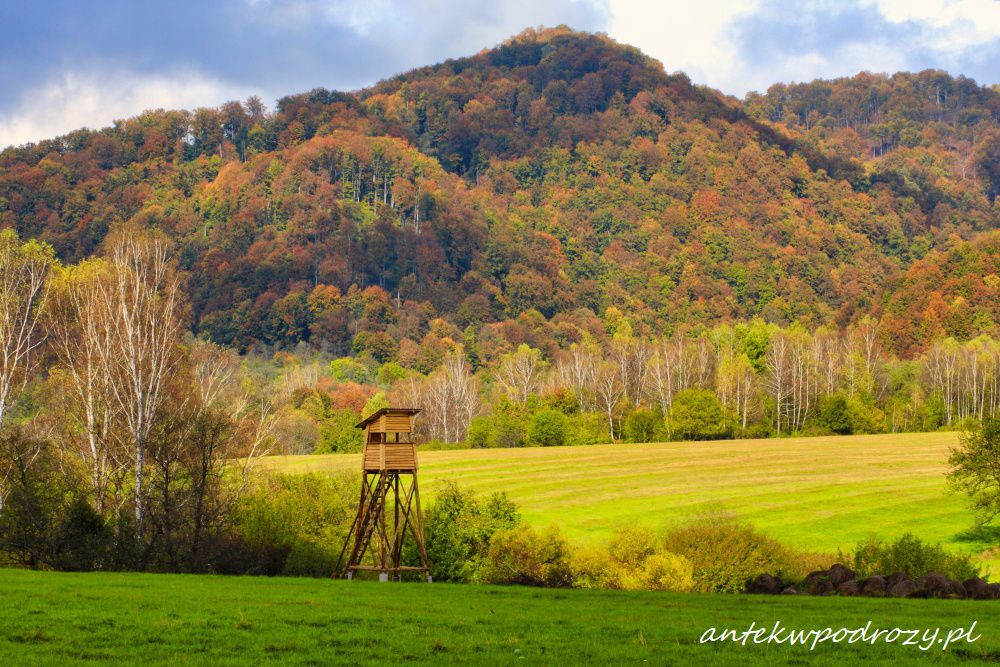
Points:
(150, 619)
(820, 494)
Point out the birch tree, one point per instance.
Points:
(141, 301)
(518, 373)
(81, 338)
(24, 272)
(609, 390)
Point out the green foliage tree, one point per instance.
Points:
(347, 369)
(548, 428)
(643, 425)
(975, 469)
(834, 414)
(337, 432)
(697, 415)
(457, 532)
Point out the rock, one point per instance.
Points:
(975, 588)
(904, 588)
(821, 587)
(764, 583)
(874, 586)
(955, 589)
(839, 574)
(790, 590)
(933, 585)
(815, 576)
(894, 579)
(849, 588)
(992, 592)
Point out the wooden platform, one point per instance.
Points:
(390, 457)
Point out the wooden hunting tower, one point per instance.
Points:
(390, 499)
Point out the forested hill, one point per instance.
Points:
(516, 194)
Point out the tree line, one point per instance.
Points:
(124, 442)
(750, 379)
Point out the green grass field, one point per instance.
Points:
(820, 494)
(148, 619)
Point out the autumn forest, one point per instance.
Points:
(554, 241)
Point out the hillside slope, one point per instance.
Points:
(545, 179)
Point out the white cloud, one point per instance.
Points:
(956, 24)
(693, 37)
(707, 40)
(92, 99)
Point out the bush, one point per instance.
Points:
(864, 417)
(633, 560)
(548, 428)
(521, 555)
(666, 572)
(504, 428)
(725, 553)
(457, 532)
(480, 432)
(696, 414)
(586, 428)
(36, 498)
(294, 524)
(83, 541)
(910, 555)
(643, 425)
(508, 430)
(834, 415)
(630, 546)
(593, 567)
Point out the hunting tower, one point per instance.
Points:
(390, 499)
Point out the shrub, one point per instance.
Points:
(633, 560)
(480, 432)
(508, 430)
(864, 417)
(666, 572)
(504, 428)
(630, 546)
(911, 555)
(522, 555)
(696, 414)
(834, 415)
(586, 428)
(36, 492)
(724, 553)
(294, 524)
(457, 532)
(593, 567)
(83, 540)
(643, 425)
(548, 428)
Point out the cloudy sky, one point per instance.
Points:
(66, 64)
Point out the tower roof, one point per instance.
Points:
(408, 412)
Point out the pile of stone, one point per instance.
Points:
(840, 580)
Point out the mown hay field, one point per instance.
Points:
(820, 494)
